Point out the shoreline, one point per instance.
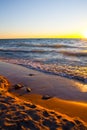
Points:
(43, 84)
(76, 78)
(63, 100)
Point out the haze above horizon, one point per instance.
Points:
(43, 18)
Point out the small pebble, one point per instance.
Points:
(31, 74)
(28, 89)
(18, 86)
(46, 97)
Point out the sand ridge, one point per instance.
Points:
(18, 114)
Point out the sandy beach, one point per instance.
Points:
(25, 108)
(43, 65)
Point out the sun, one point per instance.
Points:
(84, 34)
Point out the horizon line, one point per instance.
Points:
(44, 38)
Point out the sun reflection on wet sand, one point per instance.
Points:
(81, 87)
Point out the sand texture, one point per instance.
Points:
(17, 114)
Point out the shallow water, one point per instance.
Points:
(64, 57)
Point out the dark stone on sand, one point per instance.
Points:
(45, 97)
(18, 86)
(31, 74)
(28, 89)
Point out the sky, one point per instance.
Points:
(43, 18)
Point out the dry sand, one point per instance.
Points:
(20, 109)
(72, 109)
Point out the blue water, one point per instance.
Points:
(64, 57)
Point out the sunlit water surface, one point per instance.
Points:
(64, 57)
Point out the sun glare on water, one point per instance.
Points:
(85, 34)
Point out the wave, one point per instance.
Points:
(26, 51)
(12, 50)
(78, 54)
(45, 45)
(36, 50)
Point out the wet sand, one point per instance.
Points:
(43, 84)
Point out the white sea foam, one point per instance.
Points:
(73, 72)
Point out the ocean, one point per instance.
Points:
(62, 57)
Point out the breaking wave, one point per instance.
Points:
(78, 54)
(72, 72)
